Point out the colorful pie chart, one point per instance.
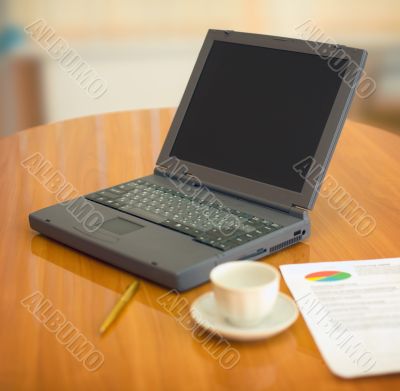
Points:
(327, 275)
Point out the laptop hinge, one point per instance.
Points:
(299, 210)
(167, 171)
(187, 177)
(160, 169)
(164, 170)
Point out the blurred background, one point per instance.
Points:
(145, 51)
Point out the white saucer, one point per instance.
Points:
(205, 312)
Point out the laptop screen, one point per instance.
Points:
(255, 112)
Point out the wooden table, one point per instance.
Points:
(147, 349)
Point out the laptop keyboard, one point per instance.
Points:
(174, 210)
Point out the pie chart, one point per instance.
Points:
(327, 275)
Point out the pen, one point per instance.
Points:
(127, 295)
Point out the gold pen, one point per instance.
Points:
(124, 299)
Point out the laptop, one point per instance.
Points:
(240, 168)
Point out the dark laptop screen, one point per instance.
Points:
(256, 111)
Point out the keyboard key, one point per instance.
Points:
(211, 241)
(277, 226)
(108, 194)
(94, 196)
(142, 213)
(259, 232)
(225, 246)
(247, 228)
(265, 229)
(115, 190)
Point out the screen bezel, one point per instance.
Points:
(250, 188)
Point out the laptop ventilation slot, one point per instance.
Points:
(284, 244)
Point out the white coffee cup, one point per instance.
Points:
(245, 291)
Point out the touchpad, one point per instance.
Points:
(120, 226)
